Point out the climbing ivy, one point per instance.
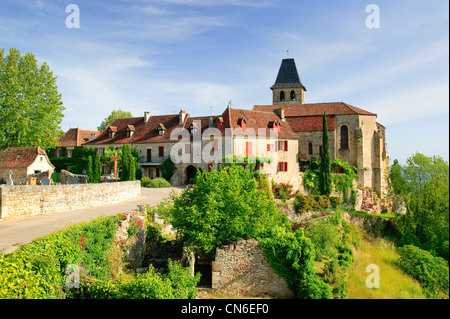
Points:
(341, 182)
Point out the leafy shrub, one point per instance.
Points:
(292, 257)
(38, 269)
(283, 191)
(176, 284)
(223, 205)
(153, 232)
(335, 201)
(158, 182)
(311, 203)
(325, 237)
(431, 272)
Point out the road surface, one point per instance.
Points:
(16, 232)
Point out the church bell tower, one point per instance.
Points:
(288, 89)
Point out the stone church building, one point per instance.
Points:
(355, 135)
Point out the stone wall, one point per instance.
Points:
(27, 200)
(135, 245)
(241, 269)
(70, 178)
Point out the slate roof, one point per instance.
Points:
(20, 157)
(76, 137)
(288, 75)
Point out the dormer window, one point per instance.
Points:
(192, 128)
(242, 122)
(161, 129)
(112, 131)
(130, 130)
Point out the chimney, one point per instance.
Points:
(181, 117)
(146, 116)
(280, 113)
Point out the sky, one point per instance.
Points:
(165, 55)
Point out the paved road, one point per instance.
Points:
(17, 232)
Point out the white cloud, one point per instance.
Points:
(417, 102)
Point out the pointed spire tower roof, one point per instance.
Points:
(288, 75)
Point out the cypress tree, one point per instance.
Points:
(96, 170)
(89, 170)
(125, 163)
(326, 182)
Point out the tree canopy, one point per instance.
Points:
(424, 184)
(115, 115)
(223, 205)
(31, 109)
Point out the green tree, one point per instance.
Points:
(167, 169)
(223, 205)
(97, 168)
(89, 170)
(31, 109)
(115, 115)
(128, 172)
(326, 181)
(426, 193)
(397, 181)
(292, 257)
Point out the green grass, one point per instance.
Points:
(394, 283)
(382, 216)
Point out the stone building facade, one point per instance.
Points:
(355, 135)
(24, 162)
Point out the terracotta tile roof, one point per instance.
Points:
(20, 157)
(311, 109)
(76, 137)
(311, 123)
(255, 120)
(144, 132)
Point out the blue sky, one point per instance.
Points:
(165, 55)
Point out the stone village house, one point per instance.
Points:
(23, 163)
(354, 135)
(150, 136)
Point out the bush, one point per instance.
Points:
(283, 191)
(311, 203)
(292, 257)
(431, 272)
(335, 201)
(158, 182)
(325, 237)
(38, 269)
(223, 205)
(176, 284)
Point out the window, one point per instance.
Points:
(149, 154)
(160, 132)
(320, 150)
(161, 151)
(282, 146)
(310, 149)
(344, 137)
(187, 148)
(282, 166)
(282, 96)
(292, 95)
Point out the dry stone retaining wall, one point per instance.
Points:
(242, 269)
(27, 200)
